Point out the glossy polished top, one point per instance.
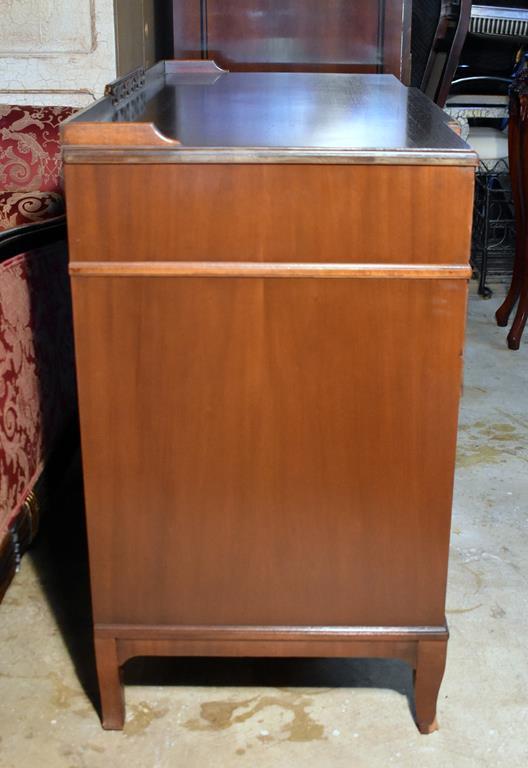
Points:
(203, 113)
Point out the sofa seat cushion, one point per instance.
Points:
(18, 208)
(37, 382)
(30, 147)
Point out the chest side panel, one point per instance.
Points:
(269, 451)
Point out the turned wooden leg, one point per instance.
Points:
(514, 336)
(520, 274)
(516, 174)
(503, 313)
(110, 685)
(430, 665)
(516, 331)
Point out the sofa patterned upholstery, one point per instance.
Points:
(30, 164)
(37, 384)
(30, 148)
(18, 208)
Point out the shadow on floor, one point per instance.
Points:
(277, 673)
(60, 558)
(59, 555)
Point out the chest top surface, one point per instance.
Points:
(198, 113)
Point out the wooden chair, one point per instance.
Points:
(439, 29)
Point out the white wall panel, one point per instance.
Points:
(56, 51)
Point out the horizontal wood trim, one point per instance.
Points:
(93, 147)
(309, 642)
(186, 66)
(345, 649)
(270, 634)
(268, 269)
(114, 135)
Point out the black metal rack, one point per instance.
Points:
(493, 240)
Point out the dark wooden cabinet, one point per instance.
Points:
(269, 322)
(303, 35)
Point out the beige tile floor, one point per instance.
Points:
(298, 713)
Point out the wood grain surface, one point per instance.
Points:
(306, 35)
(284, 448)
(269, 360)
(270, 213)
(195, 113)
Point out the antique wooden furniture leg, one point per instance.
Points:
(426, 655)
(516, 331)
(110, 685)
(430, 665)
(517, 328)
(515, 161)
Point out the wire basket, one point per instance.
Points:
(493, 238)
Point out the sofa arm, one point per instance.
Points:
(26, 237)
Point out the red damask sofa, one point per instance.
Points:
(37, 382)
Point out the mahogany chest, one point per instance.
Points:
(269, 276)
